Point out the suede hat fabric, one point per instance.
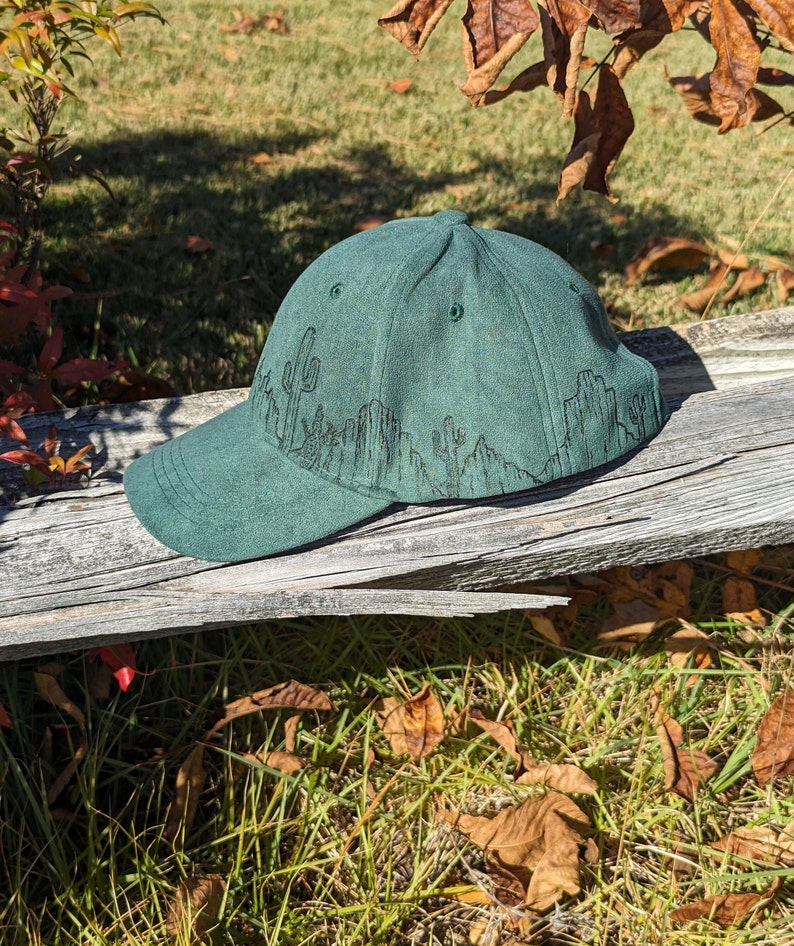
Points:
(421, 360)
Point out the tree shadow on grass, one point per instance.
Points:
(265, 208)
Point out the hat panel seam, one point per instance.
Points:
(524, 331)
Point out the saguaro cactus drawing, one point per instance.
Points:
(298, 379)
(447, 451)
(637, 414)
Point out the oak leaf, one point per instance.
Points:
(774, 748)
(416, 726)
(540, 842)
(194, 909)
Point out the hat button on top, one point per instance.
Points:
(450, 218)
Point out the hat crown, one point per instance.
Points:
(427, 359)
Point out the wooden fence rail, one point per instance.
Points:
(76, 568)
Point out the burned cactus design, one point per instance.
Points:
(296, 380)
(637, 410)
(447, 450)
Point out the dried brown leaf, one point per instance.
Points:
(738, 595)
(194, 909)
(556, 623)
(614, 124)
(540, 842)
(736, 69)
(748, 281)
(724, 909)
(784, 278)
(689, 646)
(531, 78)
(289, 695)
(503, 733)
(701, 299)
(735, 261)
(616, 15)
(685, 769)
(583, 148)
(198, 245)
(559, 776)
(400, 86)
(492, 34)
(774, 748)
(189, 782)
(49, 689)
(411, 22)
(370, 222)
(134, 384)
(415, 726)
(285, 762)
(779, 17)
(632, 47)
(665, 253)
(745, 561)
(631, 623)
(759, 843)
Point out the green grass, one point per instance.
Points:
(173, 125)
(95, 868)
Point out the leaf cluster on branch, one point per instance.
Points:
(727, 96)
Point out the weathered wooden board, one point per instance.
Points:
(78, 569)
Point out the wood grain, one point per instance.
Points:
(77, 569)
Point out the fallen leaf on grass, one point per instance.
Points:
(195, 908)
(689, 647)
(400, 86)
(699, 299)
(289, 695)
(785, 283)
(541, 843)
(50, 690)
(762, 844)
(556, 623)
(562, 777)
(724, 909)
(747, 281)
(631, 623)
(198, 245)
(5, 719)
(189, 782)
(685, 770)
(247, 24)
(774, 748)
(416, 726)
(665, 253)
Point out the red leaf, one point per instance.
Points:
(121, 660)
(10, 428)
(5, 719)
(27, 458)
(52, 351)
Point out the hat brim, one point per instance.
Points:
(221, 493)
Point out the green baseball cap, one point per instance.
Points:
(421, 360)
